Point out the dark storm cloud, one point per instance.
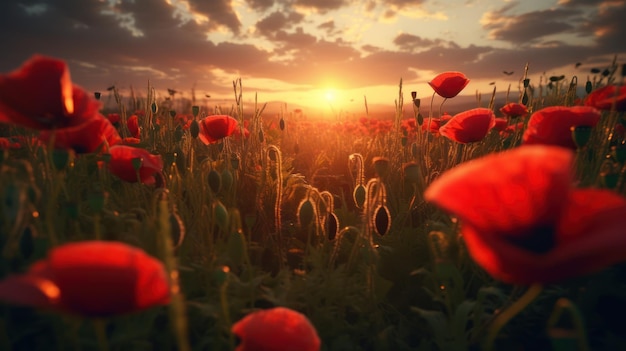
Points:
(608, 26)
(529, 27)
(98, 49)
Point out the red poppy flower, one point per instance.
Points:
(552, 125)
(435, 124)
(501, 124)
(123, 159)
(469, 126)
(88, 137)
(40, 95)
(217, 127)
(91, 278)
(526, 223)
(114, 118)
(6, 143)
(603, 98)
(449, 84)
(513, 109)
(237, 133)
(133, 126)
(276, 329)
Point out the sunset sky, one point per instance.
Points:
(312, 52)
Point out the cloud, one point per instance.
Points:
(184, 43)
(321, 6)
(277, 21)
(219, 12)
(410, 42)
(260, 5)
(527, 28)
(608, 26)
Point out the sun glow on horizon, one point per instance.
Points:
(330, 95)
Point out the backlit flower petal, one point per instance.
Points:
(552, 125)
(469, 126)
(276, 329)
(121, 164)
(449, 84)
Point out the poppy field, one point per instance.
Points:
(159, 223)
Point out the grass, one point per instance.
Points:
(249, 223)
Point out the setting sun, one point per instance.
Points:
(330, 95)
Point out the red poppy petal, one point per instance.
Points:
(217, 127)
(277, 328)
(29, 290)
(99, 278)
(36, 93)
(469, 126)
(121, 163)
(449, 84)
(508, 191)
(590, 237)
(552, 125)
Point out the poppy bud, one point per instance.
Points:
(154, 107)
(195, 110)
(581, 135)
(306, 213)
(234, 161)
(331, 226)
(136, 163)
(381, 220)
(227, 179)
(97, 95)
(194, 129)
(215, 181)
(358, 195)
(221, 214)
(281, 124)
(588, 86)
(381, 166)
(60, 159)
(420, 119)
(411, 172)
(172, 113)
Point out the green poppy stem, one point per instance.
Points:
(100, 329)
(513, 310)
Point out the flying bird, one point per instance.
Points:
(492, 83)
(171, 91)
(577, 64)
(111, 88)
(508, 73)
(207, 95)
